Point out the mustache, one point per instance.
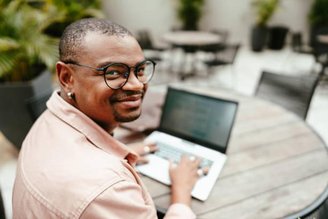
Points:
(126, 94)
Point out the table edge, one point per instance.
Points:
(322, 197)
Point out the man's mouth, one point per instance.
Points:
(130, 98)
(129, 101)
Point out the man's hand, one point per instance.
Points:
(183, 178)
(142, 149)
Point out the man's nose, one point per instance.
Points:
(133, 82)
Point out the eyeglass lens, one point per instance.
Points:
(117, 74)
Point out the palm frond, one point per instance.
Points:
(92, 12)
(7, 63)
(47, 50)
(7, 44)
(25, 39)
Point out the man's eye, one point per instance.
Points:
(113, 73)
(110, 75)
(141, 69)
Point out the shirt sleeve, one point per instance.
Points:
(126, 200)
(123, 200)
(178, 210)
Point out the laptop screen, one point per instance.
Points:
(198, 118)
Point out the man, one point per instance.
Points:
(70, 165)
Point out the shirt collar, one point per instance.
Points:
(93, 132)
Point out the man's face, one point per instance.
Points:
(93, 97)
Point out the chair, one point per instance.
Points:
(146, 42)
(36, 105)
(2, 208)
(291, 92)
(298, 44)
(214, 48)
(320, 51)
(223, 56)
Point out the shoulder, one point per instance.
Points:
(67, 185)
(62, 170)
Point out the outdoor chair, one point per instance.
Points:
(316, 48)
(147, 44)
(223, 56)
(298, 44)
(293, 92)
(320, 51)
(214, 48)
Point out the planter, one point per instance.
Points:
(277, 37)
(258, 38)
(314, 43)
(15, 115)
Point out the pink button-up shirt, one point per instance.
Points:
(69, 167)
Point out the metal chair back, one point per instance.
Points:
(290, 91)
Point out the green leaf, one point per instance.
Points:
(7, 44)
(24, 40)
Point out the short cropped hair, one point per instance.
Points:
(72, 38)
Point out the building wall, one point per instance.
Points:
(234, 15)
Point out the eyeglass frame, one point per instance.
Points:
(104, 69)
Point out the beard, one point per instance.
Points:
(127, 115)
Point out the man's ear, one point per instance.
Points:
(65, 77)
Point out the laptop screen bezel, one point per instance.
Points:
(220, 148)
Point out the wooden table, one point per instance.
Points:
(277, 165)
(190, 42)
(191, 38)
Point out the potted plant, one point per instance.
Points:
(277, 37)
(28, 53)
(25, 55)
(318, 18)
(70, 11)
(190, 12)
(264, 9)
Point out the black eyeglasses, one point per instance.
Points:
(117, 74)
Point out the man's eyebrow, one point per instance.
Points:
(104, 64)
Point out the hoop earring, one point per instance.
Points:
(70, 95)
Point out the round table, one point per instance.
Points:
(277, 165)
(190, 42)
(191, 38)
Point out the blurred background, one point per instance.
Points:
(236, 16)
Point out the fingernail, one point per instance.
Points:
(192, 158)
(146, 149)
(200, 172)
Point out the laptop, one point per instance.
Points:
(196, 125)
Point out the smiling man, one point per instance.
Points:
(70, 165)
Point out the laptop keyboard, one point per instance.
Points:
(170, 153)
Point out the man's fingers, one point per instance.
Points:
(142, 160)
(149, 148)
(202, 171)
(172, 164)
(146, 149)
